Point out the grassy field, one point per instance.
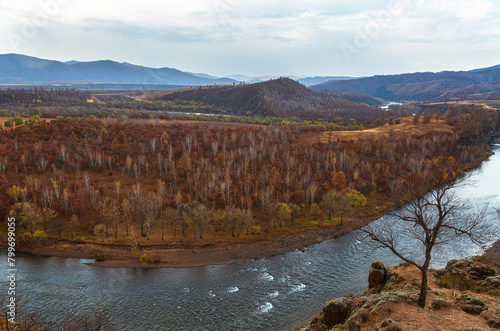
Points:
(406, 126)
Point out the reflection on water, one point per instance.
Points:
(268, 294)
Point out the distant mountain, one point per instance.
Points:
(282, 97)
(426, 86)
(21, 69)
(310, 81)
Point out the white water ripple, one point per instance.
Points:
(265, 308)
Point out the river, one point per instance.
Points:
(268, 294)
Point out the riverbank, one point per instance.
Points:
(186, 256)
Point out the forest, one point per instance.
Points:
(42, 96)
(134, 181)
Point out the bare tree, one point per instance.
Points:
(152, 205)
(432, 220)
(201, 215)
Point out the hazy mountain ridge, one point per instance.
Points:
(424, 86)
(21, 69)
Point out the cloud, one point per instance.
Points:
(264, 37)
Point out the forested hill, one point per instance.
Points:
(427, 86)
(282, 97)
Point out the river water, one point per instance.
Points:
(268, 294)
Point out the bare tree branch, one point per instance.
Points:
(435, 219)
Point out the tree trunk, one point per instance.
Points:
(142, 227)
(422, 297)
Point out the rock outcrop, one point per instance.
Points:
(469, 304)
(379, 277)
(391, 301)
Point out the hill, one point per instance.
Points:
(21, 69)
(282, 97)
(426, 86)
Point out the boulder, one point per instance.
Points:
(480, 270)
(377, 276)
(470, 305)
(456, 264)
(491, 282)
(439, 303)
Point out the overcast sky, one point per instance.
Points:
(257, 37)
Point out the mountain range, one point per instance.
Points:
(21, 69)
(423, 86)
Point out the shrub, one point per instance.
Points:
(40, 236)
(255, 229)
(150, 258)
(18, 120)
(135, 250)
(35, 119)
(7, 124)
(457, 282)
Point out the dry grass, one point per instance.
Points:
(406, 126)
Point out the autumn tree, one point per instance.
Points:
(125, 215)
(167, 217)
(151, 205)
(28, 213)
(283, 213)
(329, 200)
(201, 215)
(416, 117)
(427, 118)
(48, 215)
(100, 231)
(339, 203)
(432, 220)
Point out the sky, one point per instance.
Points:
(260, 37)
